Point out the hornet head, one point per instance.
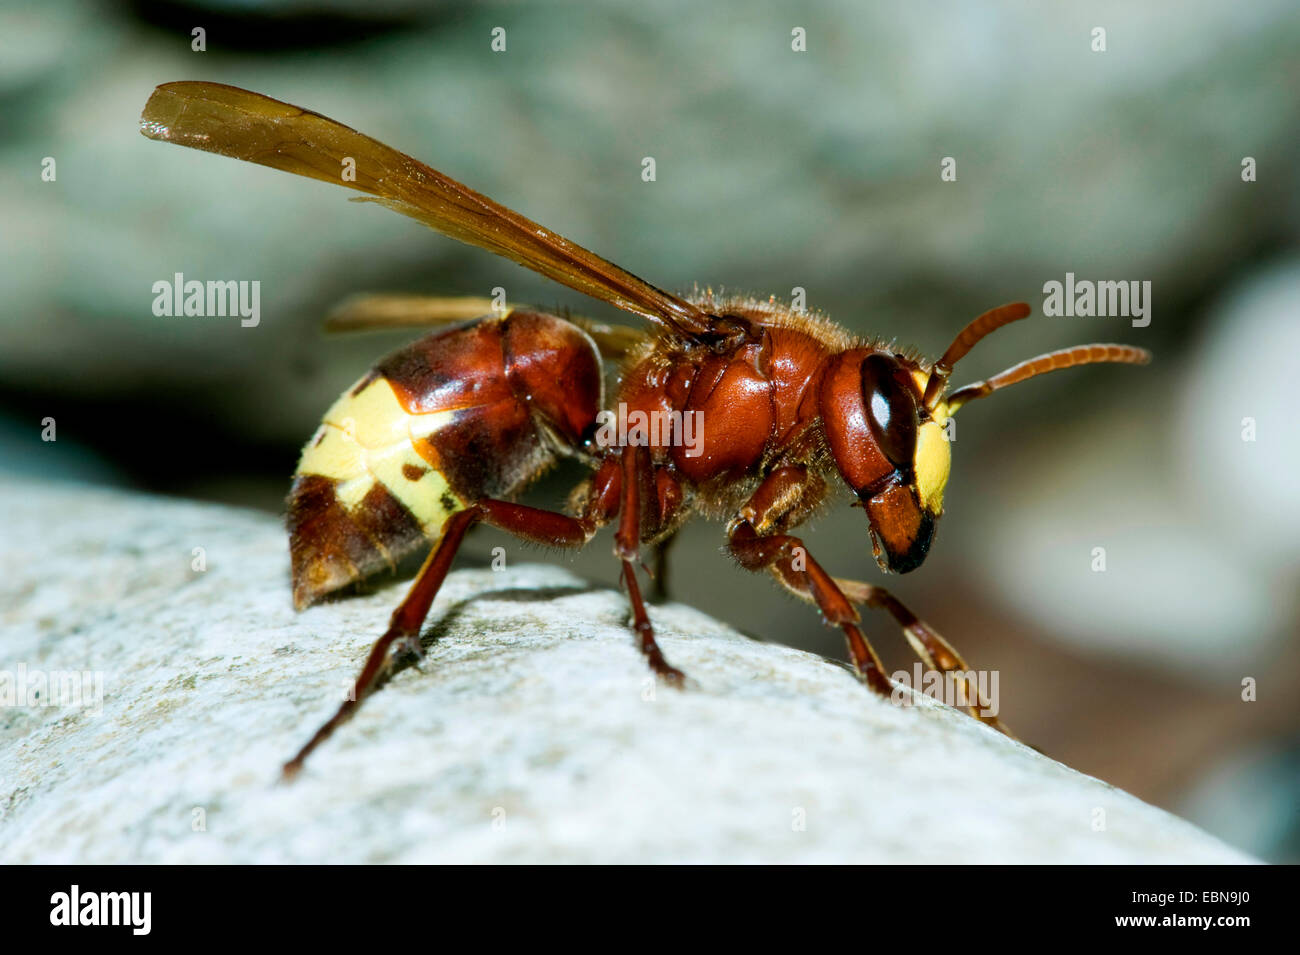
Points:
(885, 418)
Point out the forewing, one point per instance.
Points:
(244, 125)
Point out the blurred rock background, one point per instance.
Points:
(775, 169)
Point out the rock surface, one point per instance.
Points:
(531, 733)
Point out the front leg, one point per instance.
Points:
(936, 652)
(756, 540)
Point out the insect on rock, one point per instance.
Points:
(445, 432)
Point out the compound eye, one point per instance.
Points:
(891, 409)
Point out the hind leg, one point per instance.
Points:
(402, 637)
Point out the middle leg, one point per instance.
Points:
(637, 481)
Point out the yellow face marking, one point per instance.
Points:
(933, 459)
(369, 437)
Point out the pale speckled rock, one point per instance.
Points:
(526, 736)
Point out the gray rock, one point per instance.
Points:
(531, 733)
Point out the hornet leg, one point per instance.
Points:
(402, 638)
(791, 556)
(757, 540)
(627, 547)
(936, 652)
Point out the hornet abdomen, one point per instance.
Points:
(476, 410)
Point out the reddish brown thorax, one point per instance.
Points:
(756, 399)
(786, 389)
